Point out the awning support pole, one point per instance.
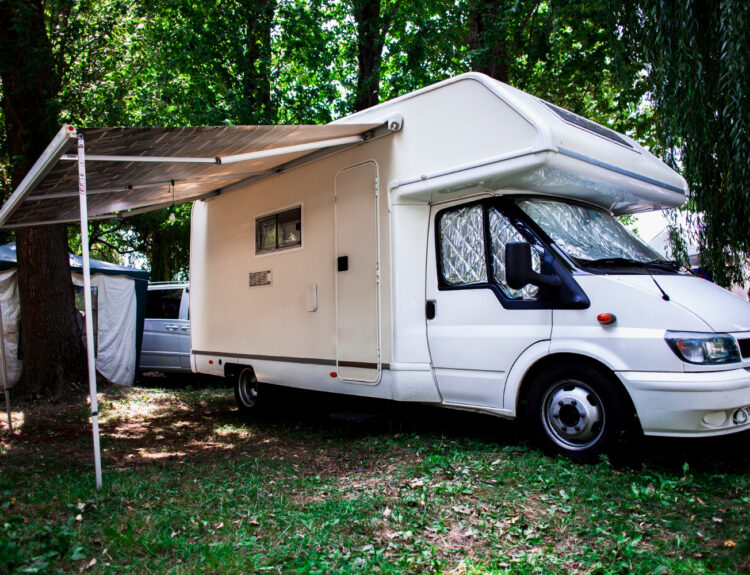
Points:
(5, 372)
(88, 307)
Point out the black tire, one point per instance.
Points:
(246, 390)
(574, 410)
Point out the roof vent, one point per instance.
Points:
(588, 125)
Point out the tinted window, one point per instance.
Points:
(163, 303)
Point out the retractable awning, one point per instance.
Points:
(131, 170)
(117, 172)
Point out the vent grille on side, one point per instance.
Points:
(744, 347)
(258, 279)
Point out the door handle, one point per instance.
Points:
(171, 327)
(430, 309)
(342, 263)
(185, 328)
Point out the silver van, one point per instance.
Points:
(166, 331)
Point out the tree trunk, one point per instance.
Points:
(256, 67)
(370, 41)
(487, 42)
(53, 353)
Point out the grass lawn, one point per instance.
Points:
(190, 485)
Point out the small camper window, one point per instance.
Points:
(279, 231)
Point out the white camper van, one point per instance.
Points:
(471, 259)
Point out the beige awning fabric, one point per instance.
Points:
(131, 170)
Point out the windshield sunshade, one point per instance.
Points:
(586, 233)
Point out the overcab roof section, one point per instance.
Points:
(135, 170)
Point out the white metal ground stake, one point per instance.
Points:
(5, 371)
(88, 306)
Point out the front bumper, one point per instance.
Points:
(690, 404)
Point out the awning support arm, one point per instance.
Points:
(88, 307)
(226, 159)
(39, 170)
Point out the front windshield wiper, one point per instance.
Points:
(662, 265)
(613, 262)
(667, 265)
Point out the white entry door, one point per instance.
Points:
(480, 325)
(357, 274)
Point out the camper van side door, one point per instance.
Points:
(481, 325)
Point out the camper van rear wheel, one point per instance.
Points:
(574, 410)
(246, 389)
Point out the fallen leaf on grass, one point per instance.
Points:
(462, 509)
(717, 520)
(729, 543)
(387, 511)
(88, 565)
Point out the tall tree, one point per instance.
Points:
(173, 64)
(370, 40)
(564, 51)
(698, 54)
(255, 63)
(50, 337)
(374, 19)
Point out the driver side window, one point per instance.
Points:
(463, 253)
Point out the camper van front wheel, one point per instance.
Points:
(573, 410)
(246, 390)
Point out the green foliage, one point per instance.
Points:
(699, 57)
(123, 62)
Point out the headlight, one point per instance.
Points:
(703, 348)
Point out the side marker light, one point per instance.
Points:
(606, 318)
(334, 374)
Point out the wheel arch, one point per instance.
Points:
(571, 358)
(232, 370)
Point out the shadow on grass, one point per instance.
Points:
(197, 418)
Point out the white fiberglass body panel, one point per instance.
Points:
(522, 143)
(722, 310)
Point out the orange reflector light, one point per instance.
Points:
(210, 361)
(606, 318)
(334, 374)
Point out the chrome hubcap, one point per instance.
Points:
(572, 414)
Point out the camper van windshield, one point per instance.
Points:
(591, 236)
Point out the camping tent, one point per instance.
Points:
(119, 295)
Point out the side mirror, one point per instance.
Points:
(518, 269)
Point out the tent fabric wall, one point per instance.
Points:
(121, 312)
(9, 301)
(116, 349)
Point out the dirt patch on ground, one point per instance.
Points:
(147, 426)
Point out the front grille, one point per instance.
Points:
(744, 347)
